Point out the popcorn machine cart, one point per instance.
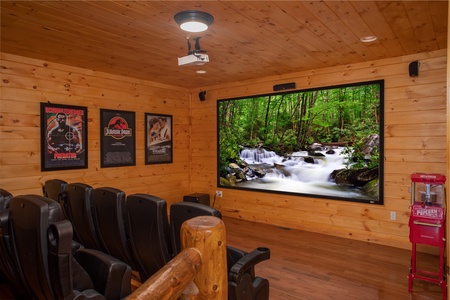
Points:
(427, 224)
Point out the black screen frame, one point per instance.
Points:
(381, 112)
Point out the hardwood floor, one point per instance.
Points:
(309, 266)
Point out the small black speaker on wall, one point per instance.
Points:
(284, 86)
(414, 68)
(202, 95)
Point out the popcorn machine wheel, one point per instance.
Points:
(427, 225)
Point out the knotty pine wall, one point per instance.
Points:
(415, 141)
(26, 82)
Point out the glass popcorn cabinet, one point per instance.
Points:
(427, 224)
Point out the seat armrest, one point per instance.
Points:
(111, 277)
(87, 295)
(235, 254)
(59, 238)
(248, 261)
(75, 246)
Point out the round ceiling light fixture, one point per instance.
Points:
(368, 39)
(193, 20)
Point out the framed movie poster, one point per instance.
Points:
(117, 138)
(63, 137)
(158, 139)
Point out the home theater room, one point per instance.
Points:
(224, 150)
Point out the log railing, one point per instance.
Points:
(197, 272)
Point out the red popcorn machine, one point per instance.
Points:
(427, 224)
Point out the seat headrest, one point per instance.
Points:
(54, 210)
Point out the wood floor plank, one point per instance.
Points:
(311, 266)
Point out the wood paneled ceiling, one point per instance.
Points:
(248, 39)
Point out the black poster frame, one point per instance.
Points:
(64, 142)
(117, 138)
(158, 138)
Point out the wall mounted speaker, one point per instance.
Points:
(414, 68)
(202, 95)
(284, 86)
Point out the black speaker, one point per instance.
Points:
(284, 86)
(202, 95)
(197, 198)
(414, 68)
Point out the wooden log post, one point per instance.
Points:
(203, 240)
(207, 234)
(170, 282)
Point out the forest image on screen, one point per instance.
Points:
(325, 142)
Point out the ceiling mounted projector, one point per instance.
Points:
(195, 57)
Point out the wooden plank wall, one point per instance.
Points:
(26, 82)
(415, 141)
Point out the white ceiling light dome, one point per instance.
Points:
(193, 20)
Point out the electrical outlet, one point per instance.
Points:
(219, 194)
(393, 215)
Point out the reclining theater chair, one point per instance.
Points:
(79, 202)
(5, 263)
(242, 282)
(183, 211)
(52, 189)
(109, 219)
(148, 229)
(41, 247)
(8, 270)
